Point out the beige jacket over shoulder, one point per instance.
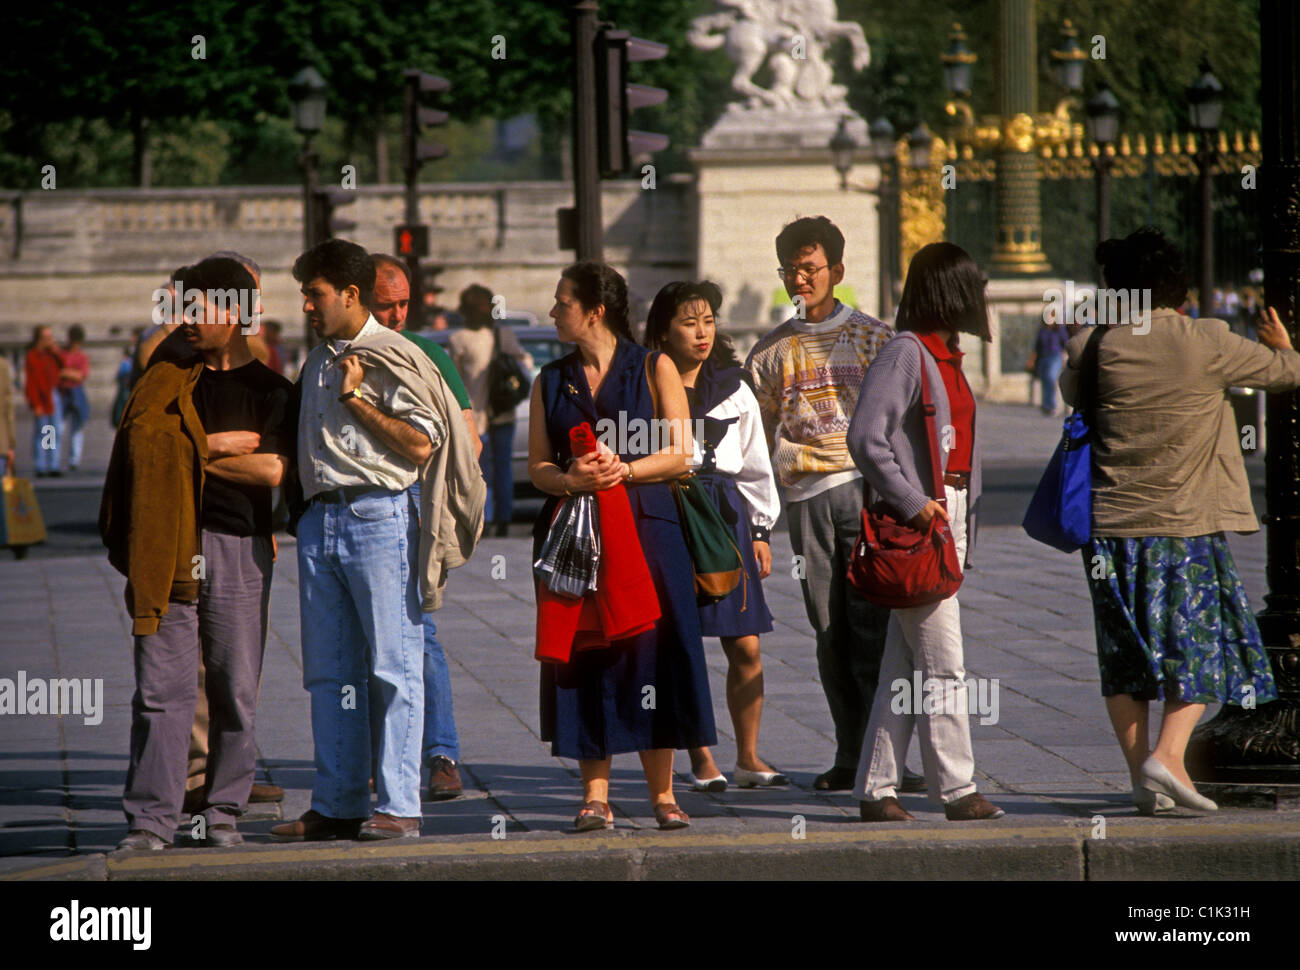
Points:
(1168, 459)
(452, 491)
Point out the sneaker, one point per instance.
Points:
(223, 836)
(444, 779)
(140, 840)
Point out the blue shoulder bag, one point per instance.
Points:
(1060, 513)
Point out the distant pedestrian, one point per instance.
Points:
(219, 425)
(648, 692)
(271, 331)
(122, 380)
(1173, 622)
(472, 350)
(943, 296)
(732, 466)
(41, 385)
(1049, 358)
(807, 373)
(72, 394)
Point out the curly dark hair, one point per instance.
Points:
(811, 231)
(341, 263)
(1145, 259)
(944, 290)
(666, 303)
(599, 284)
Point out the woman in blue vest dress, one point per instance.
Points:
(648, 693)
(732, 467)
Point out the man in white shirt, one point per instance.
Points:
(362, 438)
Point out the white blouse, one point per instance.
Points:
(743, 455)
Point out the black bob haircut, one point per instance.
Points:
(341, 264)
(599, 284)
(665, 306)
(944, 291)
(810, 231)
(1146, 259)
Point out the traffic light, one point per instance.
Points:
(411, 241)
(420, 89)
(615, 98)
(328, 202)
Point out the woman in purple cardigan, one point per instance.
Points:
(888, 440)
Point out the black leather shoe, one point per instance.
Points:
(837, 779)
(912, 782)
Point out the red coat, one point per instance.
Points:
(624, 602)
(41, 379)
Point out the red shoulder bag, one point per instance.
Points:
(897, 565)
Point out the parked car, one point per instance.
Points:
(544, 346)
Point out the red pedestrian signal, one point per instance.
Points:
(411, 241)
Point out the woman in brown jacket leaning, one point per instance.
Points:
(1173, 622)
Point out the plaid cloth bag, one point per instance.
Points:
(570, 556)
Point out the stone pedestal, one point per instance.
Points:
(1015, 314)
(757, 171)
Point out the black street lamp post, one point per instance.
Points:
(884, 149)
(1204, 108)
(1103, 127)
(307, 93)
(307, 102)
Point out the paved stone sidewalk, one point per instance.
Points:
(1050, 759)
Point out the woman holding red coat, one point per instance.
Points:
(649, 692)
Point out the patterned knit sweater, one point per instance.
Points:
(806, 377)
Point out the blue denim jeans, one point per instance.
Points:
(361, 637)
(440, 736)
(498, 446)
(1049, 370)
(47, 435)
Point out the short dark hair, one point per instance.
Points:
(218, 273)
(599, 284)
(810, 231)
(1146, 259)
(944, 291)
(76, 334)
(383, 259)
(665, 305)
(341, 264)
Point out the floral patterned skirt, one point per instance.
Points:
(1173, 622)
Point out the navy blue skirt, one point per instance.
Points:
(744, 611)
(644, 692)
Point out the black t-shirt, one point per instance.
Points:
(249, 398)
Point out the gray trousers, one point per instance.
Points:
(228, 627)
(850, 631)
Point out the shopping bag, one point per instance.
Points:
(21, 524)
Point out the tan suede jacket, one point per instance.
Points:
(149, 513)
(1168, 460)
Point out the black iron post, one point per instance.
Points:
(586, 161)
(1259, 747)
(1205, 156)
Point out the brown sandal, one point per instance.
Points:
(593, 815)
(671, 816)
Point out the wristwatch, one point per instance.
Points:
(355, 392)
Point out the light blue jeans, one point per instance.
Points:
(362, 635)
(47, 430)
(498, 445)
(1049, 371)
(440, 736)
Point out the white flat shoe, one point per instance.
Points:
(1149, 802)
(1155, 777)
(760, 779)
(715, 785)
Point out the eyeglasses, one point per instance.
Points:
(807, 272)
